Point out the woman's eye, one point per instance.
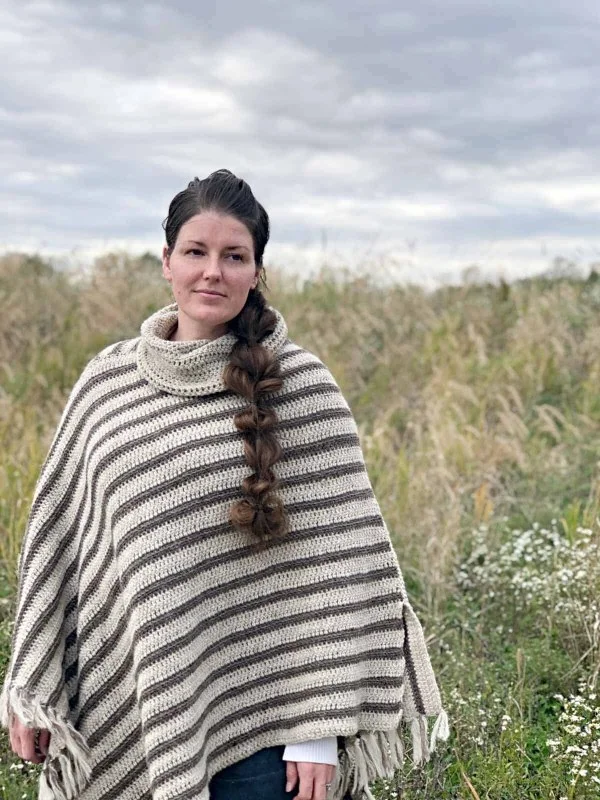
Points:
(195, 251)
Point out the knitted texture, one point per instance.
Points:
(152, 640)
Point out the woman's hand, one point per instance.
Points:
(22, 741)
(313, 778)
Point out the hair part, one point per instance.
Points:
(253, 372)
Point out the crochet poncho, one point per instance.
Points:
(152, 640)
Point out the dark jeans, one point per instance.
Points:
(261, 776)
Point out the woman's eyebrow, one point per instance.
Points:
(228, 247)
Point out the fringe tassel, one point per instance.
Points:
(371, 755)
(44, 791)
(418, 727)
(341, 778)
(365, 758)
(67, 769)
(440, 730)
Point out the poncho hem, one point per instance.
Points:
(366, 756)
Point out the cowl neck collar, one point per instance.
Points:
(192, 367)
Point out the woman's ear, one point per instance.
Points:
(166, 267)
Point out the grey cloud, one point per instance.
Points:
(446, 122)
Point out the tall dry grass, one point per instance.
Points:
(469, 400)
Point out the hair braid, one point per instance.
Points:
(253, 372)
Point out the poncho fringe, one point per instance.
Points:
(152, 643)
(67, 768)
(372, 755)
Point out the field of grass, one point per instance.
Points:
(479, 412)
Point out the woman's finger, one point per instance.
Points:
(322, 776)
(306, 782)
(331, 771)
(14, 737)
(44, 741)
(312, 780)
(28, 746)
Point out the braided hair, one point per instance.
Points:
(253, 371)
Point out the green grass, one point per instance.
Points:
(479, 414)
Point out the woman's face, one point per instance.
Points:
(213, 252)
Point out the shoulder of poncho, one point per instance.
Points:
(117, 358)
(115, 350)
(116, 353)
(297, 357)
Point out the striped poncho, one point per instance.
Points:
(150, 637)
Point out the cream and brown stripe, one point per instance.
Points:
(151, 639)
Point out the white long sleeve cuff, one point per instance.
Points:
(316, 751)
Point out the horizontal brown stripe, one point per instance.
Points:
(124, 748)
(93, 701)
(144, 630)
(290, 675)
(100, 616)
(290, 566)
(281, 648)
(181, 544)
(178, 511)
(322, 690)
(227, 494)
(98, 734)
(133, 738)
(116, 792)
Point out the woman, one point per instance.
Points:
(209, 602)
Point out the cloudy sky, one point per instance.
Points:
(423, 136)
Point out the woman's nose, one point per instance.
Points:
(212, 265)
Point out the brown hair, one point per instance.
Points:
(253, 371)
